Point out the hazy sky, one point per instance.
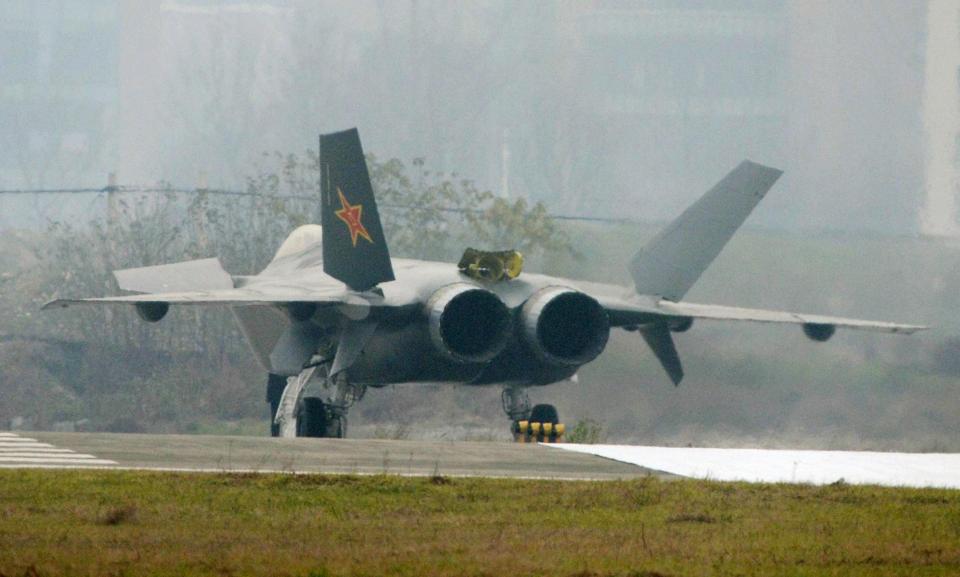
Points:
(607, 108)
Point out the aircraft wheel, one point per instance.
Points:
(275, 386)
(312, 418)
(544, 414)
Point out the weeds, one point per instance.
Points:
(692, 518)
(118, 515)
(586, 432)
(439, 480)
(318, 525)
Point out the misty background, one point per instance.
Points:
(605, 108)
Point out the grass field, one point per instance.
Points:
(140, 523)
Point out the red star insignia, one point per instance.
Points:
(350, 214)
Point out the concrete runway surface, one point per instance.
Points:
(360, 456)
(477, 459)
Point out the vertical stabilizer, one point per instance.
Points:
(354, 248)
(671, 263)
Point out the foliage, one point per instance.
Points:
(587, 432)
(428, 214)
(110, 522)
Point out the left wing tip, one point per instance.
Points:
(55, 304)
(64, 303)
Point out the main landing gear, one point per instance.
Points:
(537, 424)
(312, 404)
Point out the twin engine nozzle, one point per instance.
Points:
(560, 326)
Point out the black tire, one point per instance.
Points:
(275, 386)
(544, 414)
(312, 418)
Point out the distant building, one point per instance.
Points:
(58, 91)
(941, 119)
(673, 93)
(626, 108)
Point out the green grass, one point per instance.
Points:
(139, 523)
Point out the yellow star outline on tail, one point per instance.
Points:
(351, 215)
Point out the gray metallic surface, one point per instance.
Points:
(660, 341)
(353, 340)
(294, 348)
(262, 326)
(725, 313)
(203, 274)
(673, 261)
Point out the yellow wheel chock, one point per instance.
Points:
(533, 432)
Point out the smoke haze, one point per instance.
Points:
(605, 108)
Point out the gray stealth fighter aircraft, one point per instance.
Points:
(333, 314)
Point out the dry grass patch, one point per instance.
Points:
(114, 522)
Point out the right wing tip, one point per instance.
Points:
(756, 166)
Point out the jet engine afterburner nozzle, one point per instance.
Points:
(563, 326)
(467, 324)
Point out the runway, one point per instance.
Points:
(264, 454)
(471, 459)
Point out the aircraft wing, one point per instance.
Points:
(639, 310)
(630, 312)
(655, 319)
(204, 282)
(726, 313)
(235, 297)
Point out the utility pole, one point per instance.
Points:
(112, 212)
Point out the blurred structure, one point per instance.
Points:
(605, 107)
(941, 119)
(58, 91)
(673, 93)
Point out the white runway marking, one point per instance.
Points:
(18, 452)
(789, 466)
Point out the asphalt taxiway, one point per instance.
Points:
(356, 456)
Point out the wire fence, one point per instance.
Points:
(35, 208)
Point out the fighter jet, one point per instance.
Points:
(333, 313)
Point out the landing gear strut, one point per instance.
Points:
(315, 405)
(516, 403)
